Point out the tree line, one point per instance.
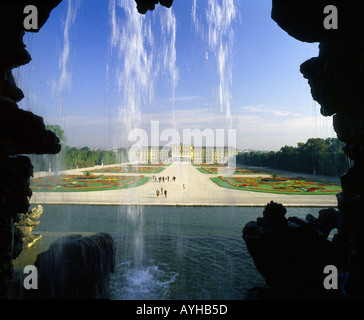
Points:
(316, 156)
(72, 158)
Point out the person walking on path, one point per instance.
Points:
(165, 193)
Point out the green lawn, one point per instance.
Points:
(280, 185)
(214, 170)
(72, 183)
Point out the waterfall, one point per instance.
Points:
(220, 16)
(134, 65)
(65, 75)
(139, 62)
(169, 26)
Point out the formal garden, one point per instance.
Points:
(86, 182)
(214, 169)
(274, 184)
(142, 169)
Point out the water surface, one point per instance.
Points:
(165, 252)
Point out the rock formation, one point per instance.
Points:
(76, 267)
(144, 5)
(22, 132)
(336, 78)
(292, 253)
(26, 224)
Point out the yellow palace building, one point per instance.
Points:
(185, 154)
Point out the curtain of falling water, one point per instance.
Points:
(169, 26)
(220, 16)
(130, 43)
(133, 67)
(64, 81)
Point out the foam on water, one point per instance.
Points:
(141, 283)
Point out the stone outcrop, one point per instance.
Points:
(76, 267)
(21, 132)
(82, 265)
(292, 253)
(144, 5)
(26, 224)
(336, 78)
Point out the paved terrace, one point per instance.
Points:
(199, 191)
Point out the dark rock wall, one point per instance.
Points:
(336, 78)
(76, 267)
(144, 5)
(21, 132)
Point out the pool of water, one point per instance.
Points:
(165, 252)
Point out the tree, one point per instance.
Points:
(334, 145)
(316, 155)
(58, 131)
(274, 175)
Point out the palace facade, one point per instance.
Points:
(185, 154)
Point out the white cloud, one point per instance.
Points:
(267, 111)
(184, 98)
(65, 76)
(254, 131)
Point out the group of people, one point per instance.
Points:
(162, 179)
(161, 192)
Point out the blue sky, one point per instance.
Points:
(229, 66)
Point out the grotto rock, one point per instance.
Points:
(303, 20)
(144, 5)
(349, 126)
(291, 254)
(12, 29)
(26, 224)
(76, 267)
(336, 79)
(22, 132)
(349, 182)
(15, 191)
(327, 220)
(8, 87)
(274, 213)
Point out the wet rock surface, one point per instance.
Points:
(336, 78)
(23, 132)
(144, 5)
(291, 253)
(76, 267)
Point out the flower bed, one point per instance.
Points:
(73, 183)
(276, 179)
(131, 169)
(285, 185)
(214, 170)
